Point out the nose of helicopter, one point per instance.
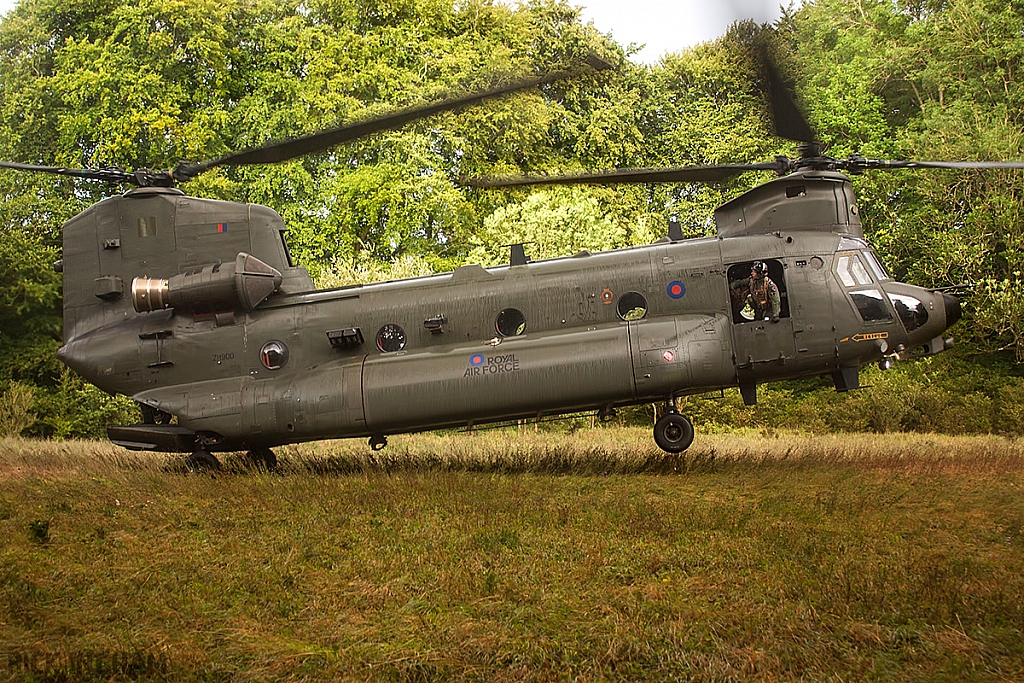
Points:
(952, 306)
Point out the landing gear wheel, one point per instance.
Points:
(202, 460)
(378, 442)
(673, 433)
(153, 416)
(263, 458)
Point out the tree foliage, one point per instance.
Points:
(147, 83)
(553, 223)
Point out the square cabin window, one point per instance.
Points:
(147, 226)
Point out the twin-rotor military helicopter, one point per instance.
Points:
(194, 308)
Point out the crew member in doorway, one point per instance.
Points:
(763, 295)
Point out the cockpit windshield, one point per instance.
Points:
(851, 270)
(910, 310)
(876, 265)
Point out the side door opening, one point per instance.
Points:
(743, 291)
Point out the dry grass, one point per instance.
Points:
(584, 452)
(499, 556)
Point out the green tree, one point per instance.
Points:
(30, 320)
(146, 84)
(929, 80)
(707, 109)
(556, 222)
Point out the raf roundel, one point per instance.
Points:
(676, 289)
(476, 360)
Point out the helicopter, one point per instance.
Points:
(195, 309)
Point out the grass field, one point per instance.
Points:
(533, 557)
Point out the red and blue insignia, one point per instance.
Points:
(222, 227)
(476, 359)
(676, 289)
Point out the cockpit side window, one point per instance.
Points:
(871, 305)
(287, 251)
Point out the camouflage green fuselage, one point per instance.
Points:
(579, 346)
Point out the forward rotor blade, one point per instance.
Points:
(787, 119)
(883, 164)
(295, 147)
(684, 174)
(110, 175)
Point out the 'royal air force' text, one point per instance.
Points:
(494, 365)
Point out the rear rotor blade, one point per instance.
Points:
(289, 149)
(110, 175)
(296, 147)
(683, 174)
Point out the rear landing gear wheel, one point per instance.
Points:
(263, 458)
(202, 461)
(378, 442)
(153, 416)
(673, 433)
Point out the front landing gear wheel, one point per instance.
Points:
(202, 460)
(378, 442)
(673, 433)
(263, 458)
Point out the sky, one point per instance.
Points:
(663, 25)
(672, 25)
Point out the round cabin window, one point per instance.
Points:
(390, 338)
(632, 306)
(274, 355)
(510, 323)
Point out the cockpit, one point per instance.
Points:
(862, 276)
(876, 297)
